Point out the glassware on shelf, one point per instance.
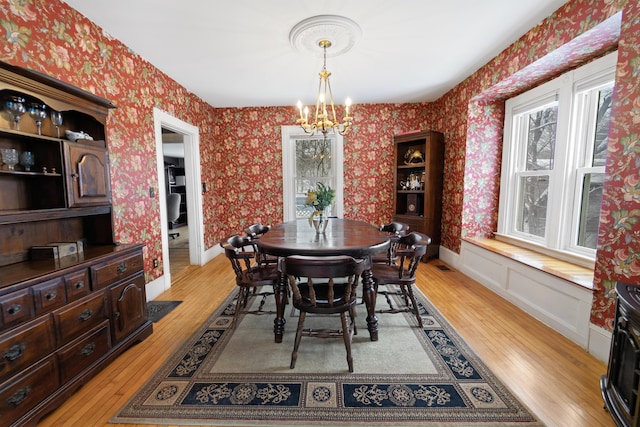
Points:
(27, 160)
(10, 157)
(14, 105)
(38, 113)
(56, 119)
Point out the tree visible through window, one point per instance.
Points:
(555, 148)
(313, 165)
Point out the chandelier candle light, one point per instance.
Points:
(324, 119)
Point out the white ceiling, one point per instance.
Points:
(237, 53)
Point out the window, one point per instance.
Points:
(306, 161)
(555, 147)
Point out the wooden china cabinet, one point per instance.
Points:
(62, 319)
(418, 177)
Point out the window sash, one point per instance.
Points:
(566, 216)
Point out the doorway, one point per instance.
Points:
(189, 144)
(177, 203)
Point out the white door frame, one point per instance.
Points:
(288, 163)
(194, 195)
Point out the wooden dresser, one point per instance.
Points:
(62, 318)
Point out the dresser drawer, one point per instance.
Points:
(48, 295)
(23, 392)
(81, 353)
(77, 318)
(77, 284)
(16, 307)
(25, 345)
(109, 272)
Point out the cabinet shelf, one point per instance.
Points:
(30, 173)
(35, 137)
(412, 166)
(20, 216)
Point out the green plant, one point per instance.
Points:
(321, 198)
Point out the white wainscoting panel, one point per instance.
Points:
(562, 305)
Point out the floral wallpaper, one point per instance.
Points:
(240, 147)
(471, 116)
(250, 159)
(241, 159)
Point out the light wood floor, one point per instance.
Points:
(555, 378)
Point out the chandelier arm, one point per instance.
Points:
(319, 101)
(333, 109)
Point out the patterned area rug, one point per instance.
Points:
(240, 376)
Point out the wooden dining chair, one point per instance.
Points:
(398, 278)
(395, 230)
(254, 232)
(250, 274)
(324, 285)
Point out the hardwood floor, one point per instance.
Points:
(179, 250)
(556, 379)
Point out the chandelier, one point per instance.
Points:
(325, 115)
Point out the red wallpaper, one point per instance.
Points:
(240, 148)
(471, 116)
(248, 155)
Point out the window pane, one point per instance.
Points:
(534, 191)
(541, 138)
(590, 210)
(313, 165)
(601, 138)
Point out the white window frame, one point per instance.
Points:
(570, 160)
(290, 134)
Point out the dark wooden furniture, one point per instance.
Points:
(399, 277)
(324, 285)
(61, 319)
(342, 237)
(418, 178)
(621, 385)
(254, 232)
(395, 230)
(250, 272)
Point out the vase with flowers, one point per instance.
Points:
(319, 200)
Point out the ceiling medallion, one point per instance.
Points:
(342, 32)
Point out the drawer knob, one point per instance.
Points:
(79, 284)
(50, 295)
(85, 315)
(14, 309)
(88, 349)
(122, 267)
(15, 352)
(19, 396)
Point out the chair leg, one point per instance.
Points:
(414, 304)
(240, 303)
(352, 315)
(346, 336)
(296, 344)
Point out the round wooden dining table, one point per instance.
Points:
(342, 237)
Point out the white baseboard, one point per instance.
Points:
(156, 287)
(599, 342)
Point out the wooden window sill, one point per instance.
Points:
(581, 276)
